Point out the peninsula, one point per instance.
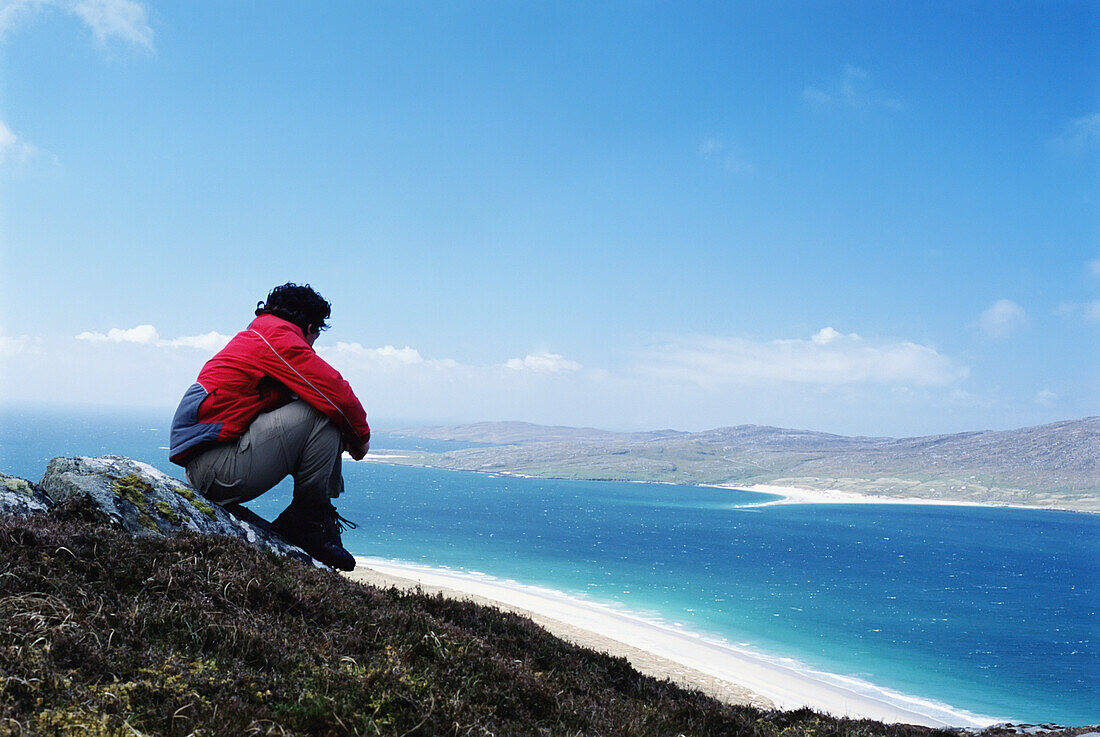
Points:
(1048, 466)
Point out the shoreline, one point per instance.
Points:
(802, 495)
(731, 673)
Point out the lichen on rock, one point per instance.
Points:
(21, 497)
(22, 486)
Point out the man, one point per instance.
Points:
(266, 406)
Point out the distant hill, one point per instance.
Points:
(1054, 465)
(526, 432)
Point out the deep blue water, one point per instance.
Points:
(989, 610)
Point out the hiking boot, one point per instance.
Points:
(316, 529)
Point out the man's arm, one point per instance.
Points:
(294, 363)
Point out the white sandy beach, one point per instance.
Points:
(800, 495)
(733, 673)
(373, 457)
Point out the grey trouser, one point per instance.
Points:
(294, 439)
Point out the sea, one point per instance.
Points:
(989, 610)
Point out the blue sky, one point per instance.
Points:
(864, 217)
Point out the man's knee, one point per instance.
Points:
(324, 431)
(300, 412)
(300, 419)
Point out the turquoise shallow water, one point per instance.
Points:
(990, 610)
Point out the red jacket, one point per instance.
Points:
(257, 372)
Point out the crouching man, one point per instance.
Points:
(266, 406)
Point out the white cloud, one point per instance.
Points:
(840, 383)
(116, 18)
(148, 335)
(828, 335)
(12, 12)
(388, 353)
(1094, 267)
(711, 146)
(389, 359)
(1089, 311)
(853, 89)
(1002, 318)
(125, 20)
(1046, 398)
(543, 363)
(729, 157)
(145, 334)
(13, 148)
(828, 358)
(212, 341)
(816, 96)
(1080, 134)
(13, 344)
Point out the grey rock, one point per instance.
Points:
(147, 502)
(21, 497)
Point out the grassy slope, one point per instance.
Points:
(104, 634)
(101, 634)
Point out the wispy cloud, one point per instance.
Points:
(385, 357)
(543, 363)
(1001, 319)
(1045, 398)
(148, 335)
(145, 334)
(13, 344)
(854, 89)
(121, 19)
(404, 355)
(827, 358)
(1090, 311)
(124, 20)
(15, 149)
(210, 342)
(357, 356)
(730, 159)
(12, 13)
(351, 355)
(1080, 134)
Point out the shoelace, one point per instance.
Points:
(342, 523)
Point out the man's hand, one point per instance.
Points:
(357, 448)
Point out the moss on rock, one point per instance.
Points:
(170, 514)
(204, 508)
(133, 489)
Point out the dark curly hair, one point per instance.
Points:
(298, 304)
